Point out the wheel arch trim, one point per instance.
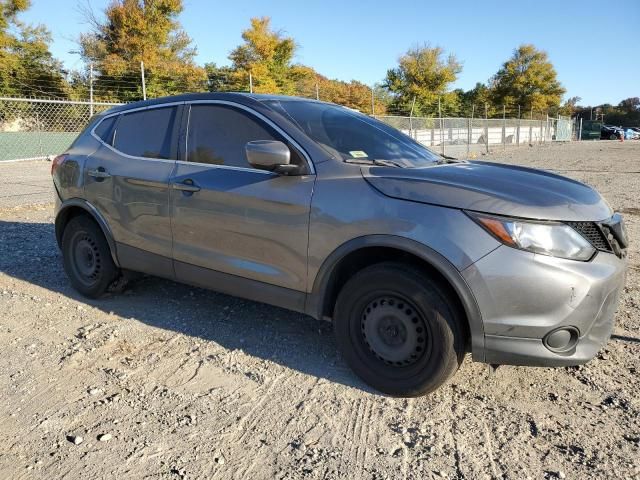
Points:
(321, 284)
(93, 212)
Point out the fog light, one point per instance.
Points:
(561, 339)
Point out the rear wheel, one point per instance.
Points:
(86, 257)
(398, 330)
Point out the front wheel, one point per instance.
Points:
(399, 331)
(87, 258)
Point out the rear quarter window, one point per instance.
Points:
(104, 130)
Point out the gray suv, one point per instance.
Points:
(415, 258)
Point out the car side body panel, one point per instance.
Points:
(252, 224)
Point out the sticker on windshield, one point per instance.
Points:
(358, 154)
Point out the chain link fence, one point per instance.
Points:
(37, 129)
(462, 137)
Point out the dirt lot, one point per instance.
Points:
(168, 381)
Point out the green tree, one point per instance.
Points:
(137, 31)
(268, 56)
(425, 74)
(527, 79)
(27, 67)
(569, 107)
(476, 101)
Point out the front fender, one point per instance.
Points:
(321, 285)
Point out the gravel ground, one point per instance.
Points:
(168, 381)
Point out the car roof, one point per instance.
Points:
(239, 97)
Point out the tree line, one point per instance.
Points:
(132, 32)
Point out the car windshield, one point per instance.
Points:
(354, 137)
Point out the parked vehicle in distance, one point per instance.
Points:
(631, 133)
(416, 259)
(609, 132)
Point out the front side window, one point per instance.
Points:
(218, 135)
(146, 133)
(352, 136)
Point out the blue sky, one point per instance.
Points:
(589, 42)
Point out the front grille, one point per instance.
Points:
(592, 232)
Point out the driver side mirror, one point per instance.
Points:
(270, 155)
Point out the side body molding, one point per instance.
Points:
(315, 300)
(61, 219)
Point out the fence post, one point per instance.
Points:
(144, 84)
(441, 126)
(413, 104)
(91, 90)
(504, 127)
(541, 133)
(518, 130)
(486, 127)
(580, 131)
(39, 133)
(373, 105)
(470, 131)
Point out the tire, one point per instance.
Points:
(398, 330)
(613, 136)
(87, 258)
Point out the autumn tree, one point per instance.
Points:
(424, 73)
(527, 79)
(137, 31)
(267, 55)
(27, 67)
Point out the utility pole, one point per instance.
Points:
(144, 84)
(317, 92)
(90, 90)
(250, 83)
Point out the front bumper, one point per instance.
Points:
(523, 297)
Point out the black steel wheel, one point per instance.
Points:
(399, 330)
(86, 257)
(394, 331)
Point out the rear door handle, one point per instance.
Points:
(186, 186)
(99, 172)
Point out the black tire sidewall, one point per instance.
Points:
(108, 271)
(436, 307)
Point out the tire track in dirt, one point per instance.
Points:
(405, 449)
(355, 438)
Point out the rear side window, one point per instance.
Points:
(148, 133)
(219, 133)
(105, 129)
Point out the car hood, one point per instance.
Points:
(492, 188)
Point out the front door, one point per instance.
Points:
(230, 218)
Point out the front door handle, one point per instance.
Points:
(186, 186)
(99, 172)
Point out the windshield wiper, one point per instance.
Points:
(375, 161)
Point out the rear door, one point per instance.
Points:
(230, 217)
(127, 180)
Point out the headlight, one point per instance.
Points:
(548, 238)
